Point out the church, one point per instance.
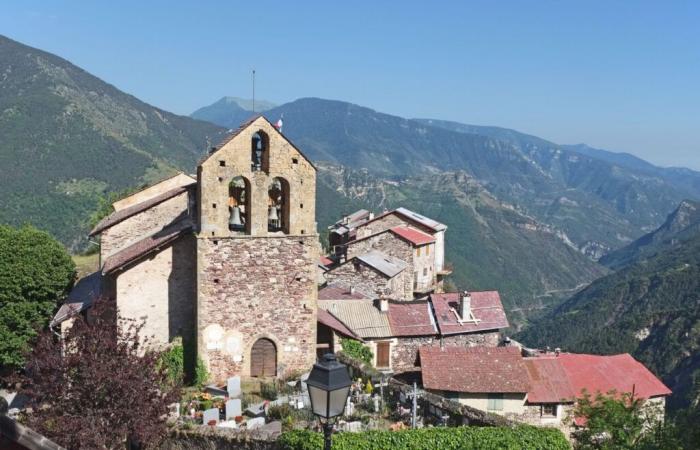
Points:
(227, 261)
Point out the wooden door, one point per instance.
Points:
(383, 354)
(263, 359)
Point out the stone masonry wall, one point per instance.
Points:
(142, 225)
(161, 289)
(404, 353)
(252, 288)
(368, 280)
(386, 222)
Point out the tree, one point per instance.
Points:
(622, 422)
(36, 273)
(106, 389)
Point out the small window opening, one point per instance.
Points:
(213, 205)
(259, 152)
(216, 281)
(216, 242)
(222, 163)
(295, 161)
(301, 205)
(221, 179)
(302, 231)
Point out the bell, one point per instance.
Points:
(234, 219)
(272, 214)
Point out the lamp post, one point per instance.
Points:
(329, 387)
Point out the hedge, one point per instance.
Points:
(460, 438)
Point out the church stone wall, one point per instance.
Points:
(252, 288)
(161, 289)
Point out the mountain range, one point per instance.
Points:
(650, 307)
(526, 216)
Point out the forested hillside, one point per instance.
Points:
(67, 137)
(650, 309)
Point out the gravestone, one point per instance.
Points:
(255, 422)
(233, 408)
(233, 386)
(209, 415)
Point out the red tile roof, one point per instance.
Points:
(123, 214)
(411, 319)
(339, 292)
(486, 307)
(146, 246)
(326, 261)
(333, 323)
(474, 369)
(412, 235)
(567, 375)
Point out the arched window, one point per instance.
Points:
(260, 152)
(238, 205)
(278, 206)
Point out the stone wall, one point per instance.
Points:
(143, 224)
(252, 288)
(404, 353)
(161, 289)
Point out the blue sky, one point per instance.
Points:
(623, 76)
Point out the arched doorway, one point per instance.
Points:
(263, 359)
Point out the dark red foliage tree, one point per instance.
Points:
(103, 390)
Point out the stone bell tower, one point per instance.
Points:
(257, 250)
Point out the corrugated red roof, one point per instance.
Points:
(146, 246)
(333, 323)
(567, 375)
(411, 319)
(412, 235)
(123, 214)
(486, 307)
(474, 369)
(549, 382)
(339, 292)
(326, 261)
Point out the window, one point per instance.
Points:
(425, 271)
(238, 211)
(549, 410)
(295, 161)
(418, 251)
(427, 250)
(222, 163)
(495, 402)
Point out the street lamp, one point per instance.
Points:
(329, 386)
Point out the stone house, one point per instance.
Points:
(228, 261)
(373, 273)
(540, 390)
(395, 330)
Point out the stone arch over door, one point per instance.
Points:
(263, 358)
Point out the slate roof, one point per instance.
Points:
(333, 323)
(146, 246)
(486, 307)
(415, 217)
(80, 298)
(353, 220)
(474, 369)
(388, 265)
(412, 235)
(123, 214)
(411, 319)
(360, 316)
(339, 292)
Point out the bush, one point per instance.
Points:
(279, 412)
(462, 438)
(173, 361)
(355, 349)
(268, 391)
(200, 373)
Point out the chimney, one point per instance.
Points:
(465, 305)
(346, 219)
(352, 290)
(557, 351)
(371, 216)
(383, 303)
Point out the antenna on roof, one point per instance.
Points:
(253, 91)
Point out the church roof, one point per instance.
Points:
(123, 214)
(81, 297)
(146, 246)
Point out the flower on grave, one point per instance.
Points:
(211, 423)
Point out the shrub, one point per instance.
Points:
(278, 412)
(173, 362)
(462, 438)
(200, 373)
(268, 391)
(357, 350)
